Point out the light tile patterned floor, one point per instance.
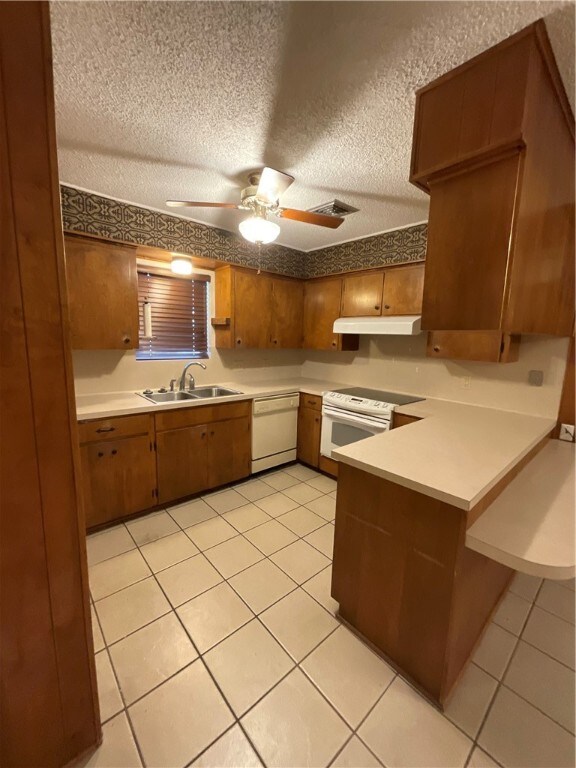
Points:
(217, 645)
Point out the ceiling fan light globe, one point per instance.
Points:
(256, 229)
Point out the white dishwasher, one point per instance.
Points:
(274, 428)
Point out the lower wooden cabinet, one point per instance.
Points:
(309, 427)
(202, 448)
(182, 461)
(196, 449)
(195, 459)
(229, 451)
(118, 478)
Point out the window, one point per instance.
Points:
(179, 316)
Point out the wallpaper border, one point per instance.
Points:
(99, 216)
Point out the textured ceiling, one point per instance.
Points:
(159, 100)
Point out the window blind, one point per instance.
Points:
(179, 317)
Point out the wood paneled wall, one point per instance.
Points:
(48, 705)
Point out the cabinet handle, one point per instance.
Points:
(386, 306)
(376, 306)
(106, 429)
(114, 452)
(333, 343)
(126, 339)
(100, 454)
(436, 349)
(316, 419)
(275, 341)
(203, 434)
(211, 434)
(238, 341)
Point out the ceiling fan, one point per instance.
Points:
(261, 198)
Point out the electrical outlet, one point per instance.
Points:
(466, 382)
(567, 432)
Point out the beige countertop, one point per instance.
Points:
(530, 526)
(456, 453)
(107, 404)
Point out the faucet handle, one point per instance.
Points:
(172, 384)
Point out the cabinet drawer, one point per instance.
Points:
(205, 414)
(112, 429)
(310, 401)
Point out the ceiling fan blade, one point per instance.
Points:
(320, 219)
(192, 204)
(272, 185)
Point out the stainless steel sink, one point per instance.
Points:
(169, 397)
(203, 392)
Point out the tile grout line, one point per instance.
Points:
(200, 656)
(500, 682)
(504, 673)
(209, 672)
(201, 552)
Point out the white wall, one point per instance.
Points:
(400, 363)
(97, 371)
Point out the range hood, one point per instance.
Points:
(395, 325)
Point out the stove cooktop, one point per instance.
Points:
(379, 396)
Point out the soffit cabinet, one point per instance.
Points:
(494, 148)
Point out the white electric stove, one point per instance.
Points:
(355, 413)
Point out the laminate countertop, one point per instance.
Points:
(530, 526)
(108, 404)
(456, 453)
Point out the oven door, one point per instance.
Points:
(340, 427)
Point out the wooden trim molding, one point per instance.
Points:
(48, 699)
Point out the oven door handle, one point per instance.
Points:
(337, 415)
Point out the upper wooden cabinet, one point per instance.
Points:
(403, 287)
(362, 294)
(393, 291)
(474, 108)
(322, 306)
(257, 311)
(102, 294)
(287, 303)
(494, 146)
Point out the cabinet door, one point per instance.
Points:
(229, 451)
(252, 310)
(321, 309)
(182, 460)
(309, 424)
(102, 294)
(403, 287)
(468, 251)
(483, 346)
(119, 478)
(362, 295)
(286, 314)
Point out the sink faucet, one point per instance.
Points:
(182, 385)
